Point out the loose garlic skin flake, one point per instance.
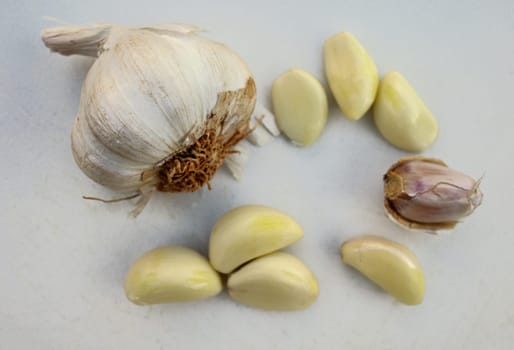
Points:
(401, 116)
(300, 106)
(171, 274)
(351, 74)
(247, 232)
(278, 281)
(390, 265)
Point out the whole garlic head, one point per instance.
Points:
(160, 108)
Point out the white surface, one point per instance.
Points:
(63, 259)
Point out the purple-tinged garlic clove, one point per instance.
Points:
(424, 193)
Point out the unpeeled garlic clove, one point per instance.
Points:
(401, 116)
(171, 274)
(300, 106)
(351, 74)
(247, 232)
(278, 281)
(390, 265)
(424, 193)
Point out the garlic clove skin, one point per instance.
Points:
(264, 126)
(351, 74)
(161, 106)
(260, 136)
(401, 116)
(266, 118)
(171, 274)
(235, 161)
(76, 40)
(247, 232)
(278, 281)
(424, 193)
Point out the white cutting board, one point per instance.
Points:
(63, 259)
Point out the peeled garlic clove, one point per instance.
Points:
(424, 193)
(300, 106)
(401, 116)
(247, 232)
(390, 265)
(278, 281)
(171, 274)
(351, 74)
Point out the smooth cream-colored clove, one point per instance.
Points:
(388, 264)
(424, 193)
(171, 274)
(300, 106)
(351, 74)
(247, 232)
(401, 116)
(278, 281)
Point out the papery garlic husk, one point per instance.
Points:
(424, 193)
(160, 108)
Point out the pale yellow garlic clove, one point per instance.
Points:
(278, 281)
(247, 232)
(171, 274)
(351, 74)
(401, 116)
(300, 106)
(425, 194)
(390, 265)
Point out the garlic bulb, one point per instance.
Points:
(160, 109)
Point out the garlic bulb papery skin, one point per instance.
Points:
(160, 108)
